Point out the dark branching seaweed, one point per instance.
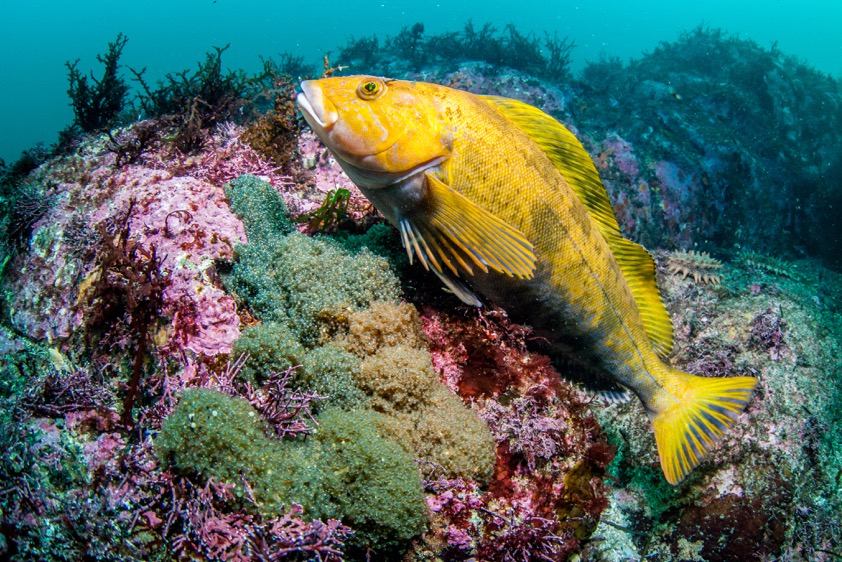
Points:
(125, 300)
(81, 239)
(197, 100)
(559, 57)
(23, 490)
(12, 176)
(220, 91)
(22, 204)
(286, 65)
(128, 145)
(97, 103)
(520, 51)
(509, 48)
(55, 394)
(361, 54)
(603, 76)
(29, 204)
(409, 45)
(480, 45)
(191, 124)
(275, 133)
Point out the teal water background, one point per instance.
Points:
(37, 37)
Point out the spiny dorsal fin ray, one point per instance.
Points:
(567, 154)
(574, 163)
(457, 234)
(639, 270)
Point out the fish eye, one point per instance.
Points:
(370, 88)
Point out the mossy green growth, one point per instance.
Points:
(306, 282)
(346, 471)
(271, 346)
(381, 240)
(398, 379)
(260, 207)
(21, 361)
(424, 416)
(420, 412)
(216, 435)
(660, 495)
(373, 482)
(331, 371)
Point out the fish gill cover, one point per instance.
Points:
(145, 284)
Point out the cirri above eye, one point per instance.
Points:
(370, 88)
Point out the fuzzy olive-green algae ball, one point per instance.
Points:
(346, 470)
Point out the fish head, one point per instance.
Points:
(380, 130)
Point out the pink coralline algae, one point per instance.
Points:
(190, 225)
(104, 451)
(676, 188)
(622, 154)
(185, 219)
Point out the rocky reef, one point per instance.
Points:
(213, 348)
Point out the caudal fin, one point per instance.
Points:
(687, 430)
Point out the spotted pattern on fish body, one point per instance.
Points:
(500, 200)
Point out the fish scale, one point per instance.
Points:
(584, 276)
(498, 198)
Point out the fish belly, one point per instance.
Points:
(580, 305)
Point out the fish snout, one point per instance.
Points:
(317, 109)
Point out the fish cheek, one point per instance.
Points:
(351, 140)
(361, 133)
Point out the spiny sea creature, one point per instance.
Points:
(699, 265)
(30, 204)
(499, 199)
(769, 264)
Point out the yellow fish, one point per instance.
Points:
(501, 200)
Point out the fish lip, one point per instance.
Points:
(315, 107)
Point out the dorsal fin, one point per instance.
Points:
(639, 270)
(574, 163)
(567, 154)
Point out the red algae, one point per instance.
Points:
(547, 491)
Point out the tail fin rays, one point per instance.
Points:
(687, 432)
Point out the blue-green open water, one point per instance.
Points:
(37, 37)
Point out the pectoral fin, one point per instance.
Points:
(450, 231)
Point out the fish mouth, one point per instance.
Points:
(317, 109)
